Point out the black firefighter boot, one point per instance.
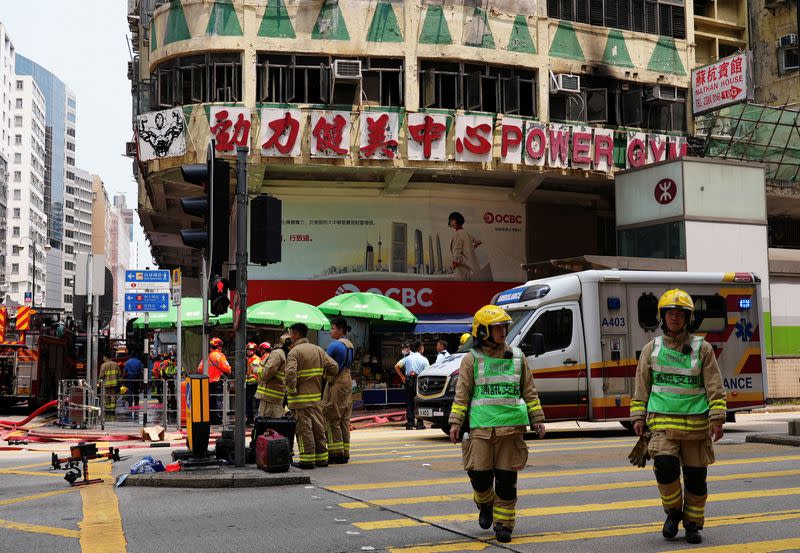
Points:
(502, 533)
(692, 532)
(674, 518)
(486, 517)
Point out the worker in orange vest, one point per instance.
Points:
(253, 362)
(217, 366)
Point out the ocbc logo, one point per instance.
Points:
(409, 297)
(508, 218)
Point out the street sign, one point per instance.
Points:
(176, 295)
(141, 302)
(159, 278)
(723, 83)
(176, 277)
(28, 298)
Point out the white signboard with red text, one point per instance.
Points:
(723, 83)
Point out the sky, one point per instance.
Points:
(85, 44)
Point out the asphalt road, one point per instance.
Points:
(406, 491)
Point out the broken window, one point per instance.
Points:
(663, 17)
(212, 77)
(473, 87)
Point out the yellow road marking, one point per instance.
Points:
(31, 466)
(398, 459)
(557, 490)
(36, 529)
(752, 547)
(611, 531)
(33, 497)
(432, 448)
(584, 508)
(101, 527)
(34, 473)
(547, 474)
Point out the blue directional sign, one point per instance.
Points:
(142, 302)
(148, 276)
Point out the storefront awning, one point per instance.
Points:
(431, 324)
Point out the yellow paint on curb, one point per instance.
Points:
(36, 529)
(101, 527)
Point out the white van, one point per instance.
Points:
(595, 324)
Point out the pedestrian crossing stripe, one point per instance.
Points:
(479, 544)
(557, 490)
(567, 509)
(457, 453)
(543, 474)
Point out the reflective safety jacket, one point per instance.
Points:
(496, 398)
(306, 366)
(270, 377)
(168, 369)
(679, 386)
(467, 382)
(252, 363)
(109, 373)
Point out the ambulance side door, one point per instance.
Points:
(559, 371)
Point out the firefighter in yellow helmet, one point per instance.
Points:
(495, 401)
(680, 398)
(463, 339)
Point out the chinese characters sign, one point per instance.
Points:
(723, 83)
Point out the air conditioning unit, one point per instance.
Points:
(563, 82)
(130, 149)
(662, 93)
(347, 69)
(787, 40)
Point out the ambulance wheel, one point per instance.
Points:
(628, 425)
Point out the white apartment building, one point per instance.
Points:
(78, 199)
(27, 222)
(7, 83)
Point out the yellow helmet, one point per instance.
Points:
(487, 316)
(123, 389)
(675, 299)
(464, 338)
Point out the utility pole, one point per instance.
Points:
(241, 291)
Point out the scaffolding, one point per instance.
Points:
(756, 133)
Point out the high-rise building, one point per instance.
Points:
(120, 230)
(7, 83)
(25, 259)
(59, 167)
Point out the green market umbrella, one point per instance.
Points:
(367, 305)
(191, 315)
(283, 313)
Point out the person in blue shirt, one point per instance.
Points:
(338, 398)
(408, 368)
(132, 373)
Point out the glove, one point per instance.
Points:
(638, 455)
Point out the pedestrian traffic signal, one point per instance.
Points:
(265, 230)
(213, 208)
(218, 295)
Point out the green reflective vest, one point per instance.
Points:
(677, 387)
(496, 396)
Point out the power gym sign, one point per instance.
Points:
(437, 137)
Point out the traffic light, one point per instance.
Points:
(265, 230)
(218, 291)
(213, 207)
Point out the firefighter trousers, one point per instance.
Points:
(492, 464)
(693, 456)
(270, 409)
(311, 435)
(338, 405)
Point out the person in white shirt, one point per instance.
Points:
(441, 351)
(408, 368)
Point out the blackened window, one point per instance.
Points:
(663, 17)
(647, 310)
(710, 314)
(212, 77)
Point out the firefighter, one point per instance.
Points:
(109, 374)
(463, 339)
(271, 390)
(496, 399)
(168, 371)
(680, 398)
(306, 366)
(217, 366)
(253, 361)
(338, 397)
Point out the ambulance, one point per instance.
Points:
(594, 325)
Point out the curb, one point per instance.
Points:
(777, 439)
(222, 477)
(777, 409)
